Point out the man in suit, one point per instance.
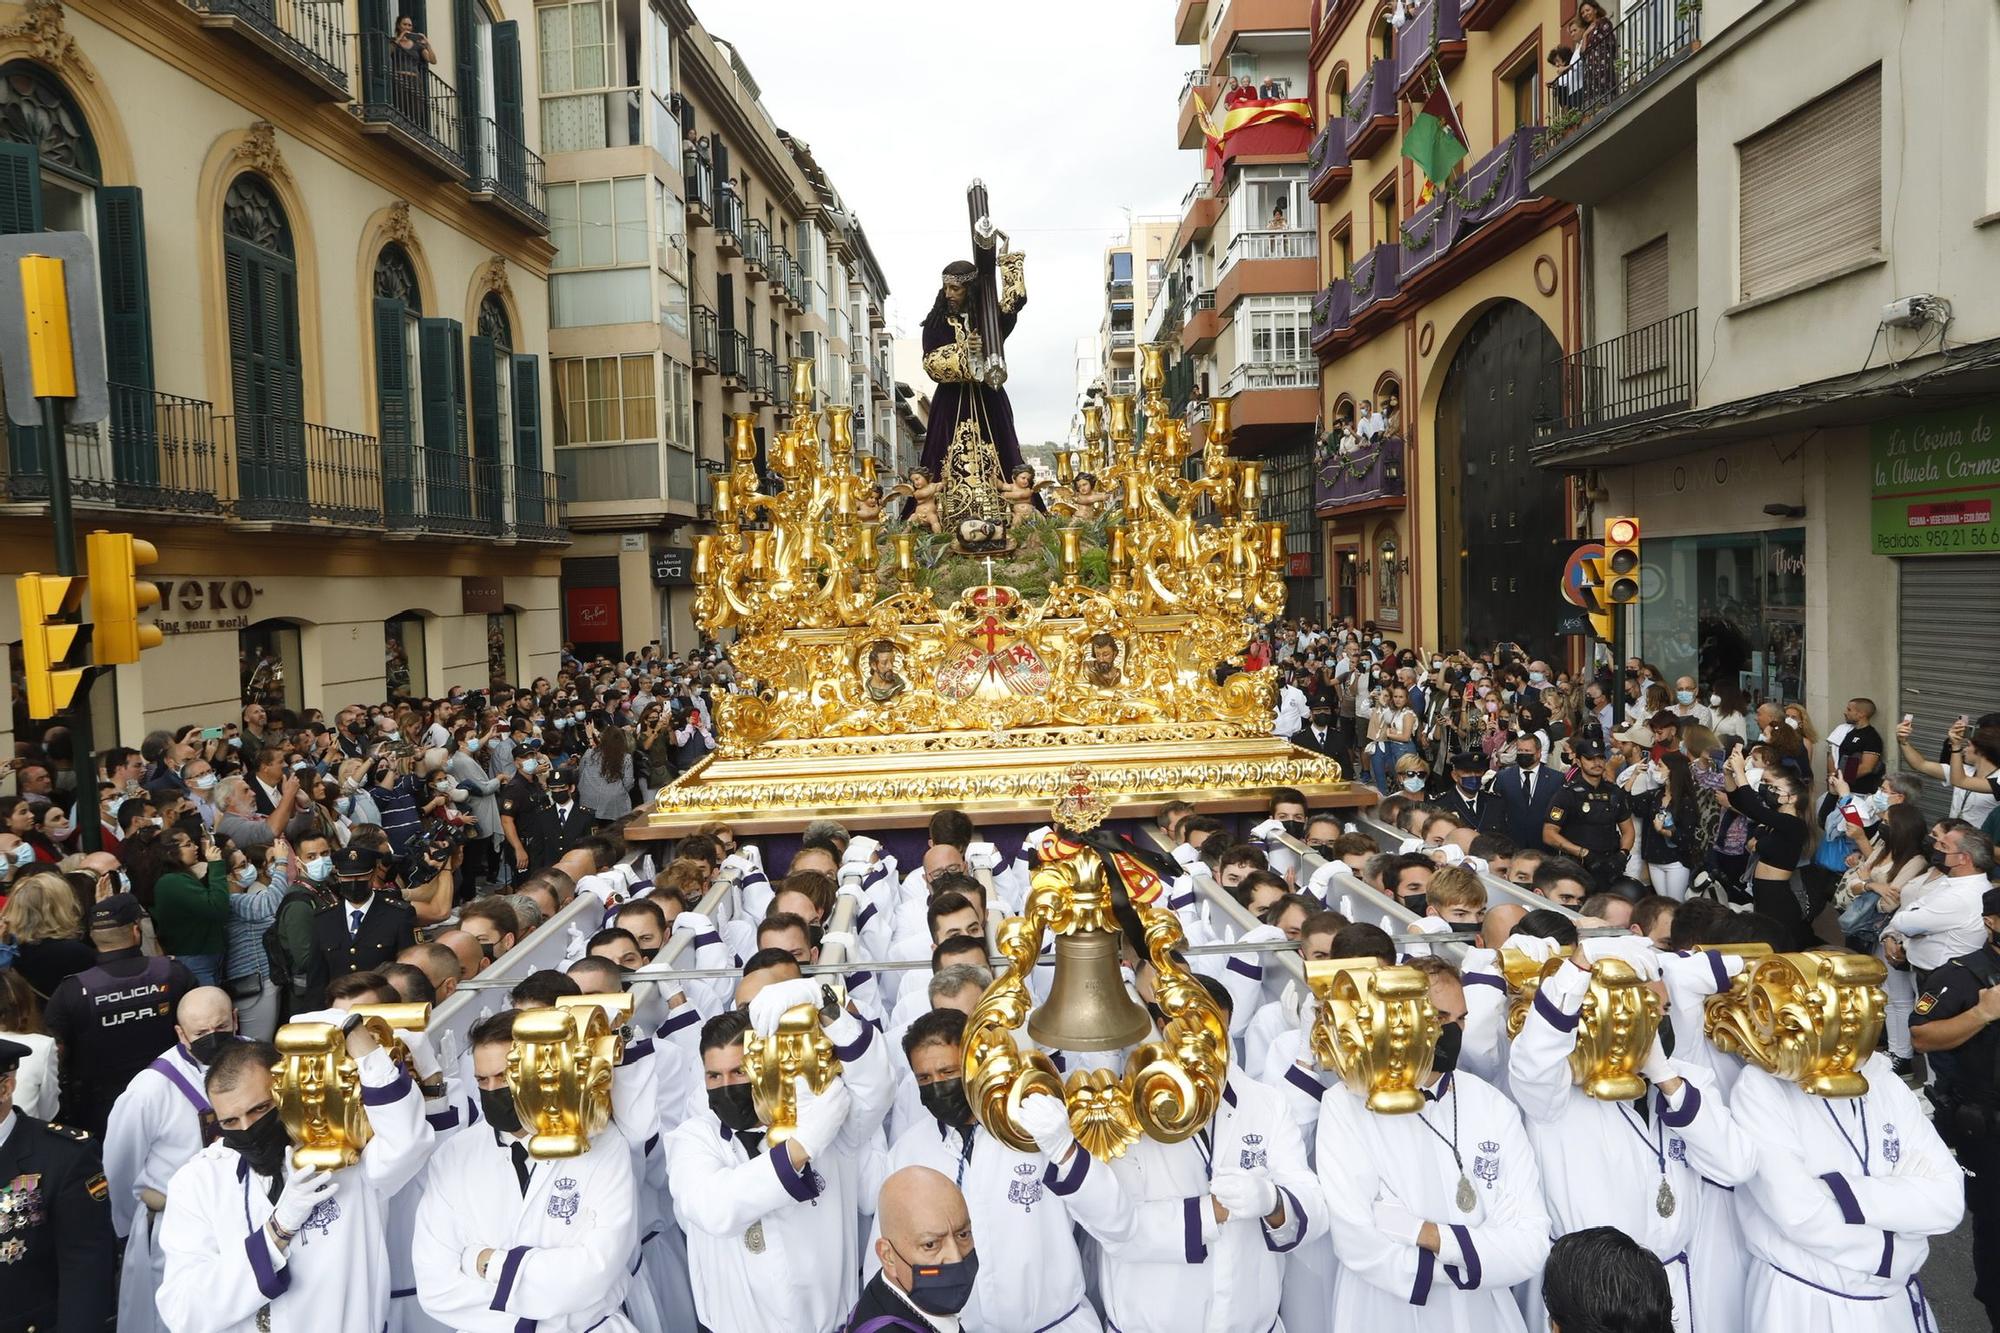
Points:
(368, 927)
(927, 1255)
(56, 1246)
(1526, 790)
(1470, 799)
(557, 823)
(1318, 734)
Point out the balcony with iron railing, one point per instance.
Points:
(1123, 340)
(704, 340)
(728, 220)
(1650, 40)
(1202, 322)
(507, 172)
(762, 379)
(1200, 92)
(1250, 247)
(795, 286)
(1261, 375)
(1328, 168)
(756, 250)
(602, 118)
(1646, 373)
(154, 453)
(440, 492)
(697, 184)
(307, 38)
(780, 270)
(885, 369)
(1432, 33)
(1368, 477)
(405, 100)
(288, 470)
(735, 362)
(1370, 114)
(1118, 289)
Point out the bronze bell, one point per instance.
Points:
(1088, 1008)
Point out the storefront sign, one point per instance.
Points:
(592, 614)
(198, 606)
(1935, 480)
(1299, 564)
(673, 564)
(481, 596)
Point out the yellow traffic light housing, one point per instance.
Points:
(1621, 560)
(47, 640)
(117, 597)
(1603, 620)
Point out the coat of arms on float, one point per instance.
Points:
(969, 647)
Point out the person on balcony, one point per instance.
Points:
(1597, 52)
(410, 52)
(1278, 222)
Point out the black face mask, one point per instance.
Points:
(733, 1106)
(1527, 760)
(357, 890)
(1294, 827)
(1445, 1058)
(649, 954)
(500, 1110)
(1323, 850)
(1416, 902)
(262, 1144)
(946, 1100)
(1938, 856)
(206, 1047)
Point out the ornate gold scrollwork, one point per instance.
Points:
(318, 1085)
(560, 1070)
(1809, 1018)
(1616, 1022)
(773, 1064)
(1376, 1028)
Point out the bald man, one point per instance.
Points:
(160, 1121)
(437, 963)
(928, 1260)
(470, 954)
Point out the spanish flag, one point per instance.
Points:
(1258, 127)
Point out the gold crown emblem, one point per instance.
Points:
(1081, 807)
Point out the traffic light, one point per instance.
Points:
(1621, 560)
(117, 597)
(47, 640)
(1603, 620)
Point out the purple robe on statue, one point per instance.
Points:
(954, 401)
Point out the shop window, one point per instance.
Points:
(403, 674)
(268, 657)
(501, 649)
(1388, 581)
(1732, 603)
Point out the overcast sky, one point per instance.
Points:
(1065, 108)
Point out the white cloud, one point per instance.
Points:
(1065, 108)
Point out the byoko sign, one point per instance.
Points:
(195, 606)
(1935, 480)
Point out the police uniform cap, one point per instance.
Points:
(120, 909)
(1587, 747)
(1990, 904)
(352, 862)
(11, 1054)
(1468, 761)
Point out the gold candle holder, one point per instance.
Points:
(1066, 465)
(760, 554)
(743, 438)
(867, 470)
(1132, 494)
(843, 495)
(1153, 369)
(1274, 541)
(704, 556)
(1121, 418)
(906, 558)
(722, 498)
(1239, 558)
(864, 548)
(788, 456)
(1219, 428)
(840, 432)
(802, 383)
(1249, 483)
(1072, 551)
(1093, 422)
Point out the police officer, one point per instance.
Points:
(111, 1019)
(368, 927)
(1957, 1023)
(518, 801)
(556, 823)
(56, 1248)
(1477, 804)
(1590, 818)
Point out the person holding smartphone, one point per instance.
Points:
(191, 902)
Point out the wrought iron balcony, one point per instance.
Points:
(698, 184)
(756, 249)
(728, 220)
(292, 471)
(1651, 38)
(440, 492)
(1487, 189)
(780, 267)
(1369, 476)
(795, 285)
(1122, 338)
(307, 37)
(762, 377)
(735, 359)
(1433, 32)
(155, 452)
(504, 170)
(1271, 375)
(704, 342)
(537, 514)
(1645, 373)
(403, 98)
(1370, 116)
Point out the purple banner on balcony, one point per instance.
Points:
(1374, 96)
(1494, 184)
(1428, 234)
(1358, 478)
(1434, 22)
(1328, 153)
(1330, 309)
(1375, 276)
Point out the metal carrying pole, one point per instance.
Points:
(1225, 902)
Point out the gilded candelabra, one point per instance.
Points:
(317, 1084)
(872, 692)
(1810, 1018)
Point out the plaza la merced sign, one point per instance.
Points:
(1934, 482)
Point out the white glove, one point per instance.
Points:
(735, 865)
(1248, 1197)
(1322, 879)
(1265, 831)
(845, 939)
(1408, 845)
(771, 1004)
(1450, 854)
(305, 1188)
(850, 877)
(1260, 935)
(748, 851)
(1032, 844)
(1047, 1122)
(1430, 925)
(982, 856)
(1534, 946)
(1188, 855)
(692, 923)
(423, 1059)
(1658, 1068)
(861, 850)
(821, 1117)
(1732, 964)
(1635, 950)
(1397, 1222)
(1476, 864)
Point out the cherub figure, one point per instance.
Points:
(1019, 493)
(1086, 501)
(869, 507)
(923, 494)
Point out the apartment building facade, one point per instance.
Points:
(322, 283)
(1135, 274)
(1442, 312)
(700, 249)
(1787, 371)
(1242, 263)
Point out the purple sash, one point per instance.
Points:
(205, 1113)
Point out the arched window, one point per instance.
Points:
(1389, 404)
(1336, 92)
(260, 272)
(492, 388)
(420, 403)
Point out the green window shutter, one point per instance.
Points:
(392, 409)
(21, 211)
(487, 488)
(530, 504)
(441, 348)
(280, 315)
(418, 11)
(472, 134)
(128, 337)
(375, 30)
(508, 110)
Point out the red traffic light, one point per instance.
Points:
(1622, 531)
